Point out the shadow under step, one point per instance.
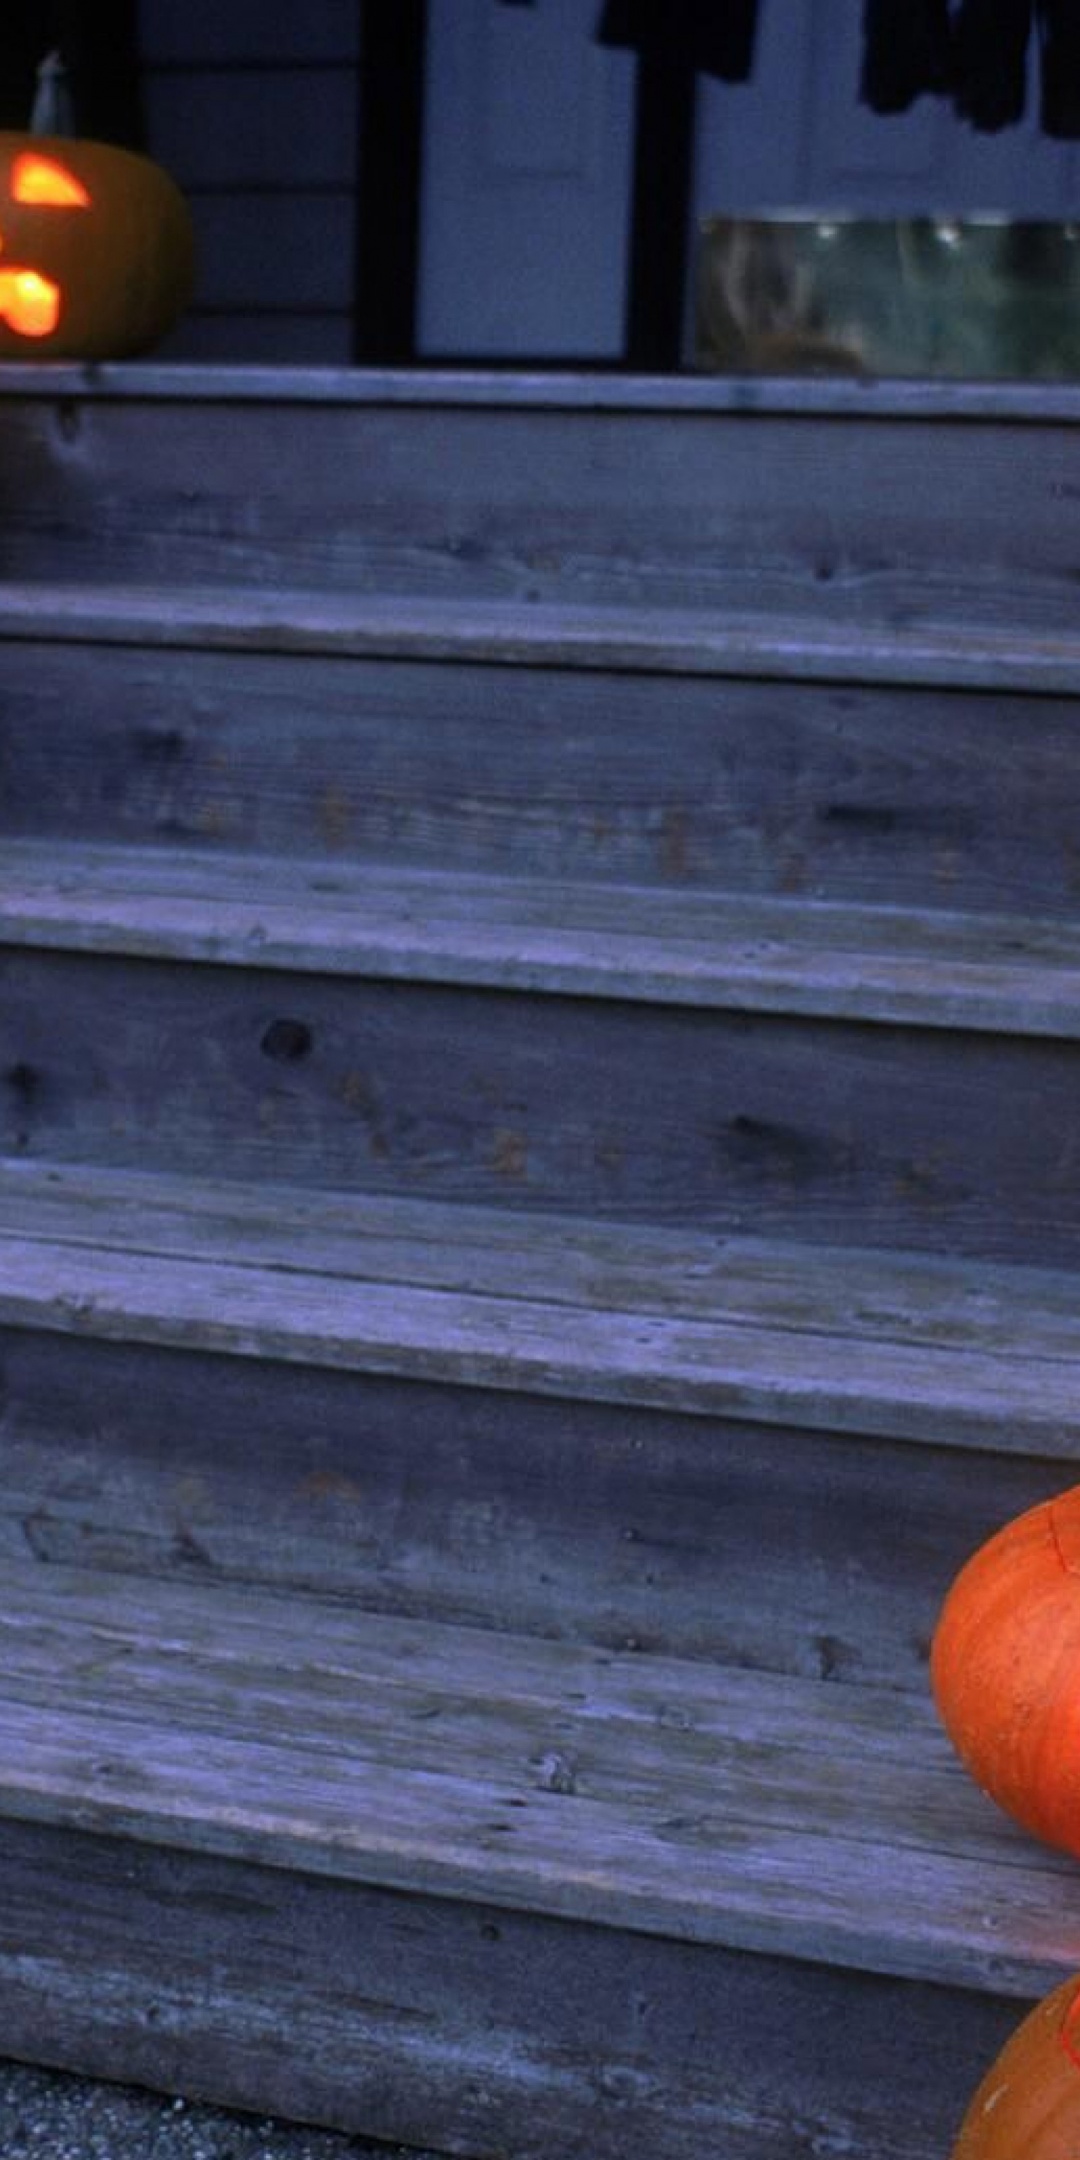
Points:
(437, 1883)
(927, 967)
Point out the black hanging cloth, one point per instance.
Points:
(977, 54)
(906, 50)
(972, 51)
(716, 38)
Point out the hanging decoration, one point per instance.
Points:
(974, 52)
(717, 40)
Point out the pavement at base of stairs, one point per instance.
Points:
(47, 2112)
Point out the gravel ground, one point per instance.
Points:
(72, 2118)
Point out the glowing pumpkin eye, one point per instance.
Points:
(29, 303)
(41, 180)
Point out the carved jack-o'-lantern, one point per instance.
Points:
(96, 251)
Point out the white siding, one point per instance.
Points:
(253, 105)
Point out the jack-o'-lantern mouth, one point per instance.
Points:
(29, 303)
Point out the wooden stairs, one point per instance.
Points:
(539, 1223)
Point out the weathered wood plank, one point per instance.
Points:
(667, 641)
(777, 1126)
(345, 1677)
(820, 1554)
(902, 520)
(856, 1341)
(527, 1718)
(780, 1376)
(553, 390)
(835, 791)
(587, 1787)
(709, 1878)
(382, 1703)
(926, 967)
(917, 1300)
(475, 2030)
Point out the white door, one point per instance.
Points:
(527, 174)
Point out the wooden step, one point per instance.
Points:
(804, 760)
(845, 500)
(271, 1791)
(895, 1344)
(544, 1424)
(305, 1734)
(843, 1076)
(554, 389)
(924, 967)
(432, 1740)
(666, 641)
(567, 1428)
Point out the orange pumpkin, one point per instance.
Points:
(1005, 1669)
(96, 251)
(1028, 2104)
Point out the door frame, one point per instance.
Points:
(391, 133)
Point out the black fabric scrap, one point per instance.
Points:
(906, 51)
(990, 42)
(717, 38)
(977, 54)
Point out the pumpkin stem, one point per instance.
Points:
(52, 112)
